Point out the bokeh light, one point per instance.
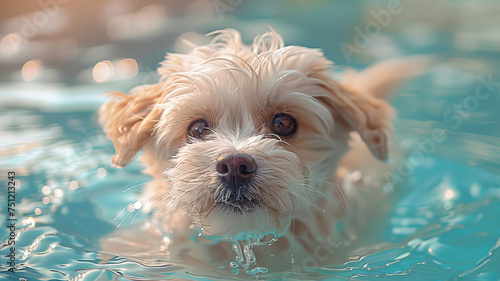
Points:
(130, 208)
(103, 71)
(101, 172)
(137, 205)
(46, 189)
(126, 68)
(58, 192)
(147, 208)
(449, 194)
(10, 44)
(31, 70)
(73, 185)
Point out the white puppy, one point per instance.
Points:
(248, 139)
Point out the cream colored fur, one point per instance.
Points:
(238, 89)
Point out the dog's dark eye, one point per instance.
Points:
(198, 129)
(284, 125)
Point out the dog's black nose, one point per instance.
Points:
(236, 170)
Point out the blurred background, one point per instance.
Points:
(75, 42)
(58, 57)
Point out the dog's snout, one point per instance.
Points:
(235, 173)
(238, 166)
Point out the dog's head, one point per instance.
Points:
(245, 134)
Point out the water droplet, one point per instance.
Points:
(236, 271)
(101, 172)
(130, 208)
(448, 205)
(449, 194)
(58, 193)
(166, 240)
(147, 208)
(137, 205)
(30, 221)
(73, 185)
(46, 189)
(232, 264)
(257, 270)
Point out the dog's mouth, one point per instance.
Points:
(237, 202)
(241, 206)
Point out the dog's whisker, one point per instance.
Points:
(205, 201)
(122, 210)
(126, 216)
(130, 204)
(137, 211)
(259, 182)
(276, 193)
(259, 128)
(153, 199)
(177, 178)
(141, 184)
(287, 175)
(173, 200)
(320, 194)
(338, 190)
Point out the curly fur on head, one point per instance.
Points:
(238, 89)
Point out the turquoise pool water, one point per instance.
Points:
(444, 223)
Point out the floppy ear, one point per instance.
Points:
(360, 112)
(360, 98)
(129, 121)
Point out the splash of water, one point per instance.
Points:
(242, 246)
(245, 256)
